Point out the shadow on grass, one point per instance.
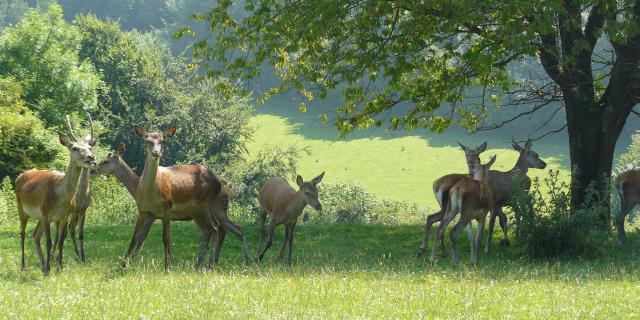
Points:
(318, 249)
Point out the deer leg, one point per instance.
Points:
(23, 227)
(37, 234)
(625, 208)
(503, 225)
(132, 244)
(272, 228)
(46, 225)
(224, 222)
(492, 222)
(440, 233)
(454, 237)
(285, 241)
(291, 229)
(81, 236)
(166, 239)
(207, 232)
(431, 219)
(478, 239)
(143, 233)
(62, 234)
(263, 231)
(215, 254)
(72, 232)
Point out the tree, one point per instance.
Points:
(41, 52)
(425, 58)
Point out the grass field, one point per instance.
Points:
(339, 271)
(393, 165)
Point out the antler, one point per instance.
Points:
(71, 135)
(92, 141)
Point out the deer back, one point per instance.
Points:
(39, 190)
(276, 195)
(628, 183)
(472, 193)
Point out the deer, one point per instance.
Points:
(503, 185)
(441, 187)
(627, 185)
(284, 205)
(183, 192)
(115, 165)
(472, 197)
(49, 196)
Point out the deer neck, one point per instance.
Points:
(297, 203)
(520, 166)
(71, 179)
(127, 177)
(149, 173)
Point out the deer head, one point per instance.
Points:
(111, 163)
(473, 155)
(309, 191)
(80, 149)
(155, 140)
(482, 171)
(528, 157)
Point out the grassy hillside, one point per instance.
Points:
(394, 165)
(340, 271)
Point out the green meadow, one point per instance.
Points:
(340, 271)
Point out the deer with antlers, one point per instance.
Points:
(184, 192)
(472, 197)
(284, 205)
(441, 188)
(50, 196)
(503, 185)
(115, 165)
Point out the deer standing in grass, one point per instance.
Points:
(472, 197)
(50, 197)
(503, 186)
(627, 185)
(284, 205)
(441, 189)
(184, 192)
(115, 165)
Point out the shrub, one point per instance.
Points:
(8, 213)
(111, 203)
(546, 227)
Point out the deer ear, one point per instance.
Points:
(120, 150)
(299, 181)
(170, 132)
(317, 179)
(493, 159)
(464, 148)
(64, 140)
(528, 145)
(481, 148)
(515, 146)
(139, 130)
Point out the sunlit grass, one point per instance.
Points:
(339, 271)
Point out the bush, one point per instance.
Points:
(111, 203)
(8, 213)
(546, 227)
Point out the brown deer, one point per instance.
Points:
(284, 205)
(627, 185)
(115, 165)
(473, 198)
(441, 188)
(185, 192)
(502, 186)
(49, 196)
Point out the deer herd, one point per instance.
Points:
(193, 192)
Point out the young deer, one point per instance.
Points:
(115, 165)
(627, 185)
(185, 192)
(441, 189)
(284, 205)
(50, 196)
(473, 198)
(502, 186)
